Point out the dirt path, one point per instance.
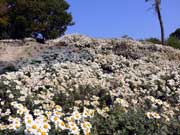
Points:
(11, 53)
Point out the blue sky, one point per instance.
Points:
(115, 18)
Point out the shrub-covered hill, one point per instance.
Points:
(81, 85)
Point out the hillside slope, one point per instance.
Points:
(127, 69)
(139, 65)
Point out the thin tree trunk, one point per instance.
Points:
(161, 23)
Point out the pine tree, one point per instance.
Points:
(22, 17)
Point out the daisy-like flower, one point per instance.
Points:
(85, 112)
(91, 113)
(153, 115)
(3, 127)
(19, 106)
(156, 115)
(45, 127)
(69, 119)
(8, 111)
(158, 101)
(58, 108)
(86, 126)
(16, 124)
(33, 128)
(48, 114)
(78, 102)
(106, 109)
(76, 115)
(38, 112)
(95, 98)
(122, 102)
(95, 103)
(73, 128)
(28, 119)
(151, 98)
(14, 104)
(86, 102)
(71, 124)
(149, 115)
(61, 124)
(58, 113)
(166, 104)
(41, 132)
(55, 119)
(11, 96)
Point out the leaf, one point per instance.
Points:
(130, 128)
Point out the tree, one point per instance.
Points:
(176, 34)
(22, 17)
(3, 18)
(157, 4)
(174, 39)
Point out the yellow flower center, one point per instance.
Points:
(34, 126)
(77, 116)
(46, 126)
(84, 125)
(39, 130)
(17, 126)
(29, 121)
(55, 118)
(87, 134)
(67, 126)
(62, 124)
(43, 133)
(73, 128)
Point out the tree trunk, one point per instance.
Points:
(161, 22)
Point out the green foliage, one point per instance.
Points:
(173, 42)
(26, 16)
(153, 40)
(176, 34)
(132, 123)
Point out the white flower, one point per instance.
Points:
(45, 127)
(11, 96)
(38, 112)
(55, 119)
(58, 108)
(73, 128)
(153, 115)
(158, 101)
(61, 124)
(76, 115)
(16, 123)
(2, 102)
(122, 102)
(28, 119)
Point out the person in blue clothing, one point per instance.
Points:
(39, 37)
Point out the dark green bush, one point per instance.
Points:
(153, 40)
(132, 122)
(176, 34)
(173, 42)
(19, 18)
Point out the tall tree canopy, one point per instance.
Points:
(19, 18)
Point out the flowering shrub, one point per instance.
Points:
(38, 103)
(72, 93)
